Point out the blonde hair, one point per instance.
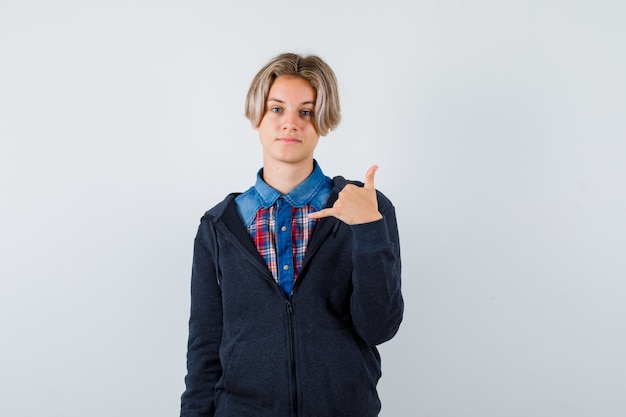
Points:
(310, 68)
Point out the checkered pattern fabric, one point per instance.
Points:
(268, 240)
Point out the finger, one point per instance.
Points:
(369, 177)
(321, 214)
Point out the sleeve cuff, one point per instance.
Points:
(371, 236)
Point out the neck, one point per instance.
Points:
(284, 177)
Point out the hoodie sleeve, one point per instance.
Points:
(376, 304)
(205, 328)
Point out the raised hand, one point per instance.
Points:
(355, 205)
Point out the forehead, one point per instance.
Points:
(291, 88)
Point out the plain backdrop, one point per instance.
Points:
(499, 128)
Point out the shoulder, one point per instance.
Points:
(219, 209)
(206, 233)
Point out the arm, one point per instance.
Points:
(205, 330)
(376, 303)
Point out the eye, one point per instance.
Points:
(306, 113)
(275, 109)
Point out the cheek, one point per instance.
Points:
(265, 124)
(313, 132)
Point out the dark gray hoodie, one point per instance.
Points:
(254, 352)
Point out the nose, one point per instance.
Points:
(291, 120)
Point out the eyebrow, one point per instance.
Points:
(282, 102)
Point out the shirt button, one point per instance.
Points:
(286, 267)
(284, 228)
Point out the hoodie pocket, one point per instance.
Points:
(256, 372)
(338, 374)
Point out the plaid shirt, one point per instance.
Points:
(279, 225)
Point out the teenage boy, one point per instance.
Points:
(295, 281)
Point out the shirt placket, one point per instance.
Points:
(284, 246)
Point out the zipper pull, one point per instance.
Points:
(289, 307)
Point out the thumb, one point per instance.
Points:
(369, 177)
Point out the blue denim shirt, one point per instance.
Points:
(313, 191)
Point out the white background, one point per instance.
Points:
(499, 128)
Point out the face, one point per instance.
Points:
(287, 133)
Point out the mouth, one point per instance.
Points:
(289, 140)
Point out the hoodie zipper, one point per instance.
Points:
(292, 344)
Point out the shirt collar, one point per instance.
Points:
(300, 196)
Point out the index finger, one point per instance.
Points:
(369, 177)
(327, 212)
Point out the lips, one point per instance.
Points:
(289, 140)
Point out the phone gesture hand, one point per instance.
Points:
(355, 205)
